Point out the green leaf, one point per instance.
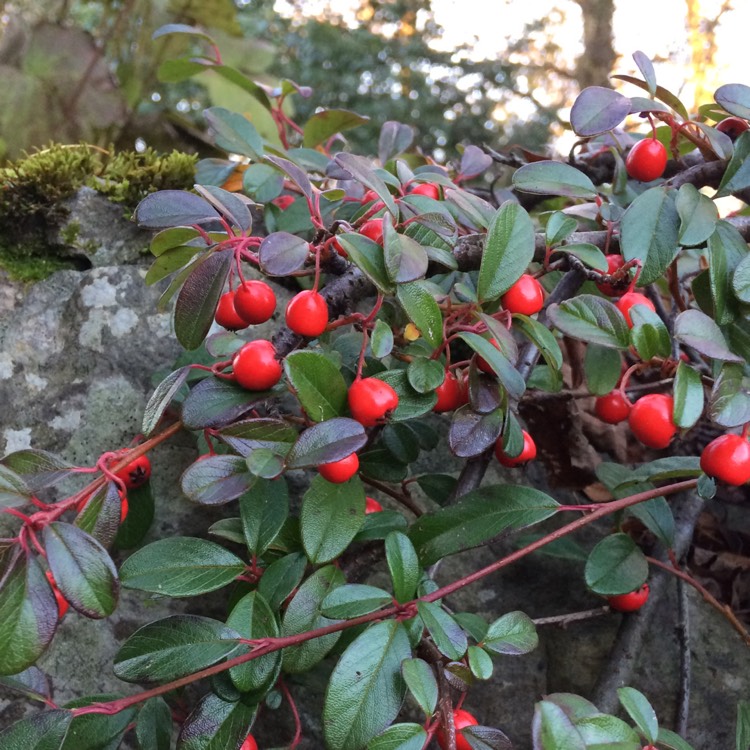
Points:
(154, 726)
(553, 178)
(403, 565)
(649, 232)
(729, 404)
(671, 740)
(609, 732)
(640, 711)
(252, 618)
(649, 335)
(662, 94)
(411, 403)
(304, 614)
(479, 516)
(368, 256)
(696, 329)
(215, 724)
(591, 319)
(698, 216)
(480, 663)
(216, 480)
(39, 731)
(366, 687)
(420, 679)
(656, 516)
(317, 383)
(264, 509)
(281, 578)
(553, 730)
(514, 634)
(161, 398)
(322, 125)
(603, 367)
(359, 168)
(216, 403)
(173, 647)
(688, 396)
(405, 259)
(13, 490)
(381, 340)
(180, 566)
(100, 516)
(508, 376)
(265, 464)
(447, 634)
(400, 737)
(83, 571)
(422, 309)
(541, 337)
(139, 519)
(425, 375)
(508, 250)
(741, 280)
(234, 132)
(97, 731)
(353, 600)
(598, 110)
(616, 565)
(559, 228)
(587, 253)
(28, 614)
(737, 174)
(326, 442)
(262, 182)
(331, 516)
(172, 260)
(437, 487)
(199, 296)
(250, 434)
(743, 726)
(726, 251)
(36, 469)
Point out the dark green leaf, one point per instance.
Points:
(250, 434)
(367, 255)
(726, 251)
(39, 731)
(215, 403)
(587, 253)
(83, 571)
(671, 740)
(559, 227)
(603, 367)
(154, 726)
(354, 600)
(37, 469)
(508, 250)
(698, 216)
(591, 319)
(608, 731)
(366, 688)
(656, 516)
(729, 404)
(737, 174)
(696, 329)
(447, 634)
(97, 731)
(180, 566)
(381, 340)
(479, 516)
(234, 132)
(233, 208)
(420, 679)
(640, 711)
(437, 487)
(161, 398)
(282, 254)
(303, 614)
(215, 724)
(169, 208)
(100, 516)
(400, 737)
(741, 280)
(411, 404)
(326, 442)
(513, 634)
(422, 310)
(649, 232)
(616, 566)
(139, 518)
(649, 335)
(317, 383)
(541, 337)
(480, 663)
(688, 396)
(743, 726)
(173, 647)
(216, 480)
(553, 178)
(553, 730)
(264, 509)
(425, 375)
(508, 376)
(281, 578)
(322, 125)
(403, 565)
(405, 259)
(598, 110)
(262, 182)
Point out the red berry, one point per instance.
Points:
(62, 602)
(373, 229)
(426, 188)
(283, 202)
(651, 420)
(226, 313)
(448, 393)
(307, 314)
(614, 262)
(124, 506)
(136, 473)
(369, 196)
(371, 400)
(483, 364)
(647, 160)
(255, 366)
(727, 459)
(612, 408)
(340, 471)
(372, 506)
(734, 127)
(528, 452)
(461, 719)
(255, 301)
(631, 602)
(249, 743)
(526, 296)
(631, 299)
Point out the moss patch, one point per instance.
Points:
(32, 190)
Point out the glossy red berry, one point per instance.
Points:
(340, 471)
(631, 602)
(528, 452)
(255, 366)
(630, 300)
(612, 408)
(373, 229)
(727, 459)
(307, 314)
(371, 400)
(124, 506)
(461, 719)
(734, 127)
(283, 202)
(526, 296)
(136, 473)
(651, 420)
(369, 196)
(372, 506)
(614, 263)
(249, 743)
(426, 188)
(62, 602)
(448, 393)
(483, 364)
(647, 160)
(255, 301)
(226, 314)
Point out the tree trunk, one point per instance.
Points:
(598, 58)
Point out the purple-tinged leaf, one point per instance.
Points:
(696, 329)
(233, 207)
(282, 254)
(162, 397)
(395, 138)
(360, 169)
(598, 110)
(169, 208)
(472, 433)
(322, 125)
(294, 173)
(735, 98)
(40, 731)
(647, 70)
(216, 403)
(216, 480)
(473, 162)
(327, 442)
(101, 514)
(215, 723)
(662, 94)
(36, 468)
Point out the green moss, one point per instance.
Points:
(33, 188)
